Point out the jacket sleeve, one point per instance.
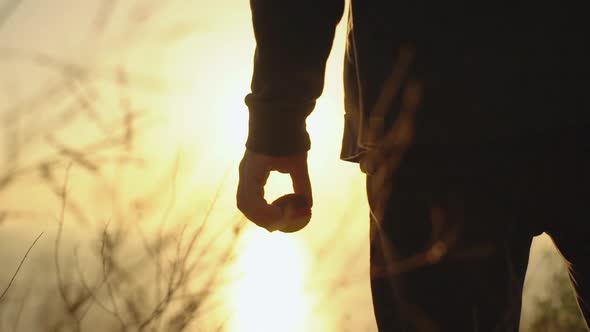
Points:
(293, 41)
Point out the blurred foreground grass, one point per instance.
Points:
(117, 145)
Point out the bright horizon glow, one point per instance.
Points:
(269, 293)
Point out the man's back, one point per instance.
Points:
(490, 72)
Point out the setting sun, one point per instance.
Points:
(269, 294)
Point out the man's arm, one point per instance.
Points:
(294, 39)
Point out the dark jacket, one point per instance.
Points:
(491, 71)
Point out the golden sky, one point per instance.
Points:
(189, 63)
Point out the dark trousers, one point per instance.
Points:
(450, 248)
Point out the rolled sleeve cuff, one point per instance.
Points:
(277, 130)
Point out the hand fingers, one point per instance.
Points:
(253, 175)
(301, 182)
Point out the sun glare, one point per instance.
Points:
(269, 294)
(211, 120)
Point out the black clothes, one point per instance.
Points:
(486, 67)
(499, 149)
(452, 248)
(293, 41)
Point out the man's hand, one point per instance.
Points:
(254, 170)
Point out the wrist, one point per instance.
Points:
(277, 133)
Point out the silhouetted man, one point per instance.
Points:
(472, 122)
